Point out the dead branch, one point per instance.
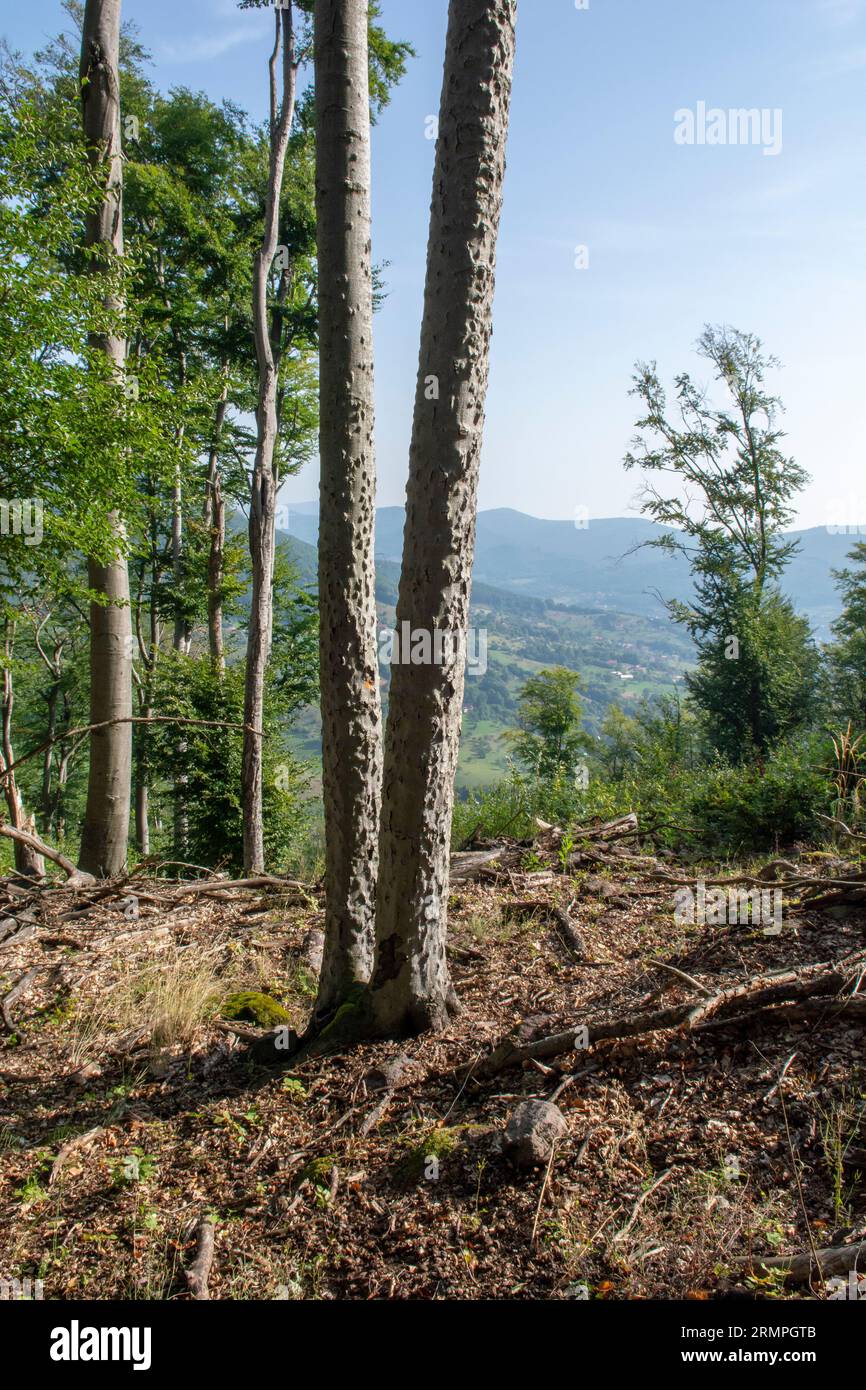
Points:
(199, 1271)
(20, 987)
(467, 864)
(80, 1141)
(568, 933)
(74, 875)
(826, 978)
(15, 930)
(803, 1268)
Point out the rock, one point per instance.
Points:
(387, 1074)
(599, 887)
(531, 1132)
(313, 950)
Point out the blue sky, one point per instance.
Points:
(677, 235)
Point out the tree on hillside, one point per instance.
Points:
(106, 819)
(283, 70)
(618, 748)
(549, 739)
(733, 499)
(846, 655)
(411, 989)
(760, 684)
(349, 673)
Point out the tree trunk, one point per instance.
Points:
(215, 522)
(263, 495)
(106, 818)
(349, 670)
(46, 797)
(27, 860)
(411, 987)
(142, 816)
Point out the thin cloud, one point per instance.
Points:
(842, 12)
(834, 65)
(204, 49)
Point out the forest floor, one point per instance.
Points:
(130, 1112)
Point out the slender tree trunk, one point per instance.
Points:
(106, 818)
(142, 815)
(27, 861)
(215, 521)
(349, 669)
(411, 987)
(265, 480)
(46, 797)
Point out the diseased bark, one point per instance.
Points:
(106, 818)
(411, 986)
(349, 670)
(265, 480)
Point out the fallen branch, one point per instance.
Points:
(74, 875)
(621, 1235)
(80, 1141)
(467, 864)
(14, 930)
(826, 978)
(199, 1271)
(681, 975)
(216, 887)
(391, 1076)
(19, 988)
(802, 1269)
(852, 1007)
(568, 933)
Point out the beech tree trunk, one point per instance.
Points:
(106, 818)
(411, 986)
(28, 861)
(214, 516)
(265, 480)
(349, 669)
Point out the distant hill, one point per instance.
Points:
(546, 593)
(606, 565)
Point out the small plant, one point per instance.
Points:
(133, 1167)
(566, 845)
(295, 1089)
(840, 1127)
(31, 1193)
(424, 1156)
(319, 1173)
